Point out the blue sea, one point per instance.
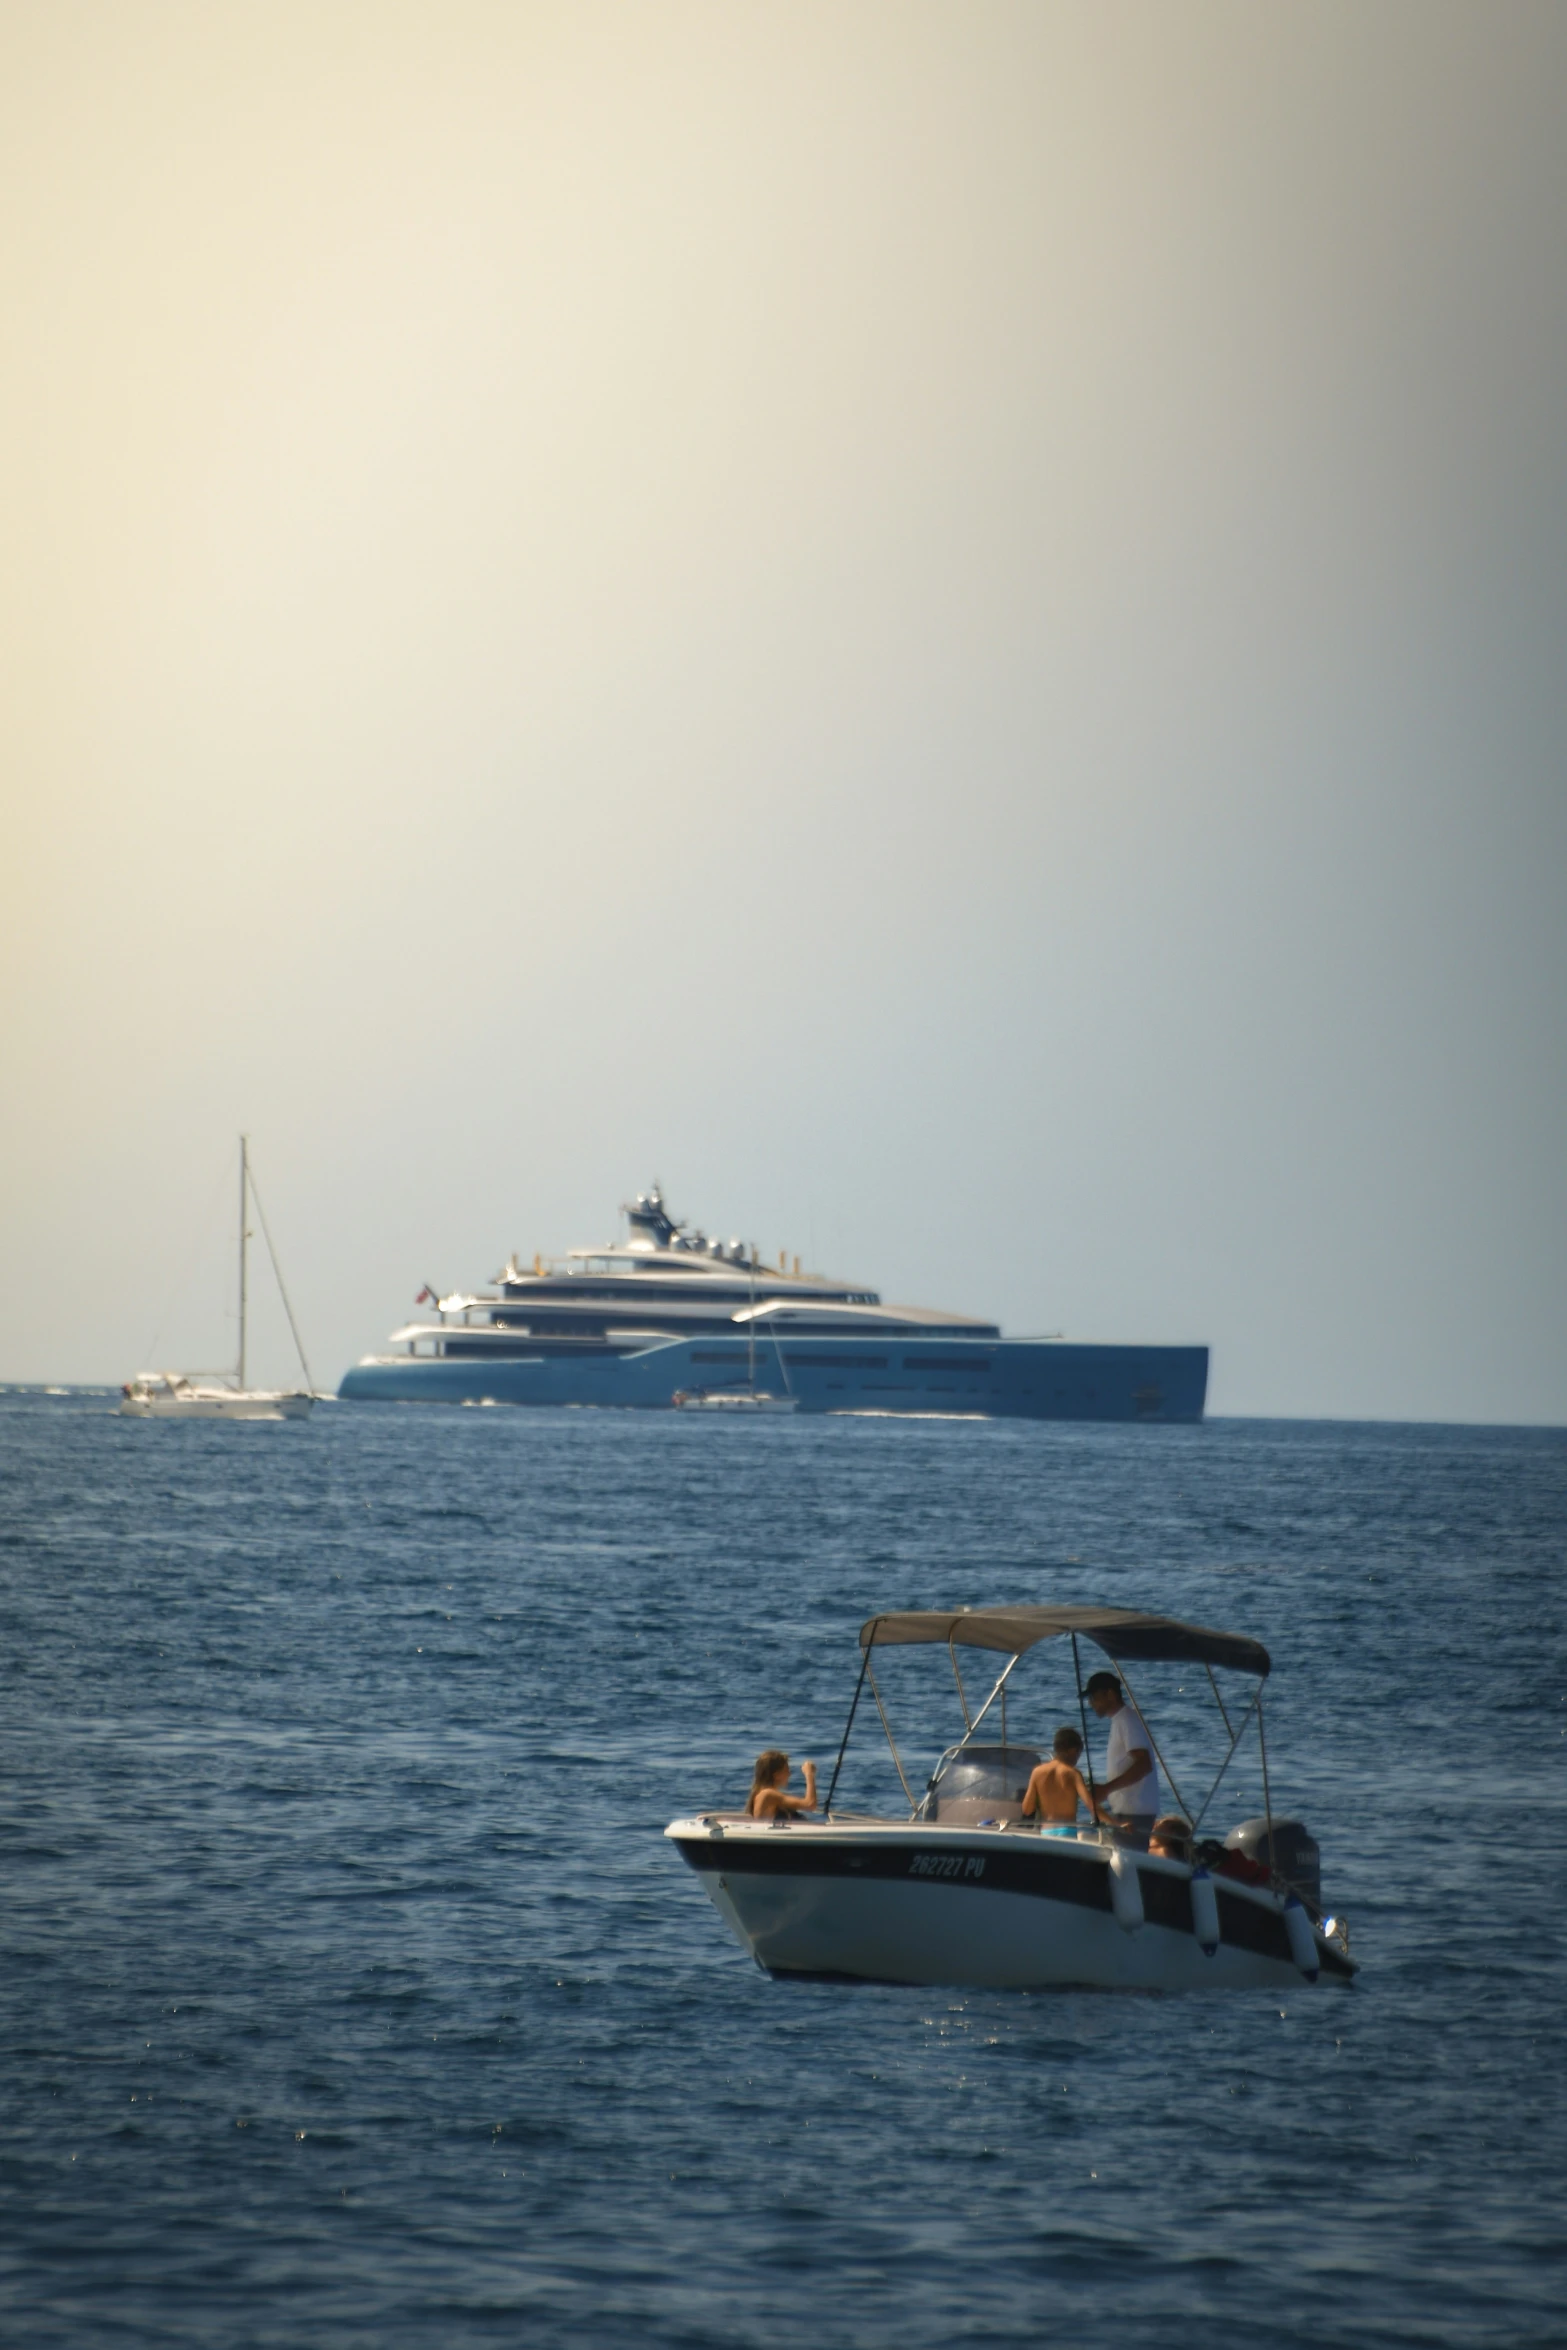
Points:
(350, 1994)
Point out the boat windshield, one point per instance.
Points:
(973, 1785)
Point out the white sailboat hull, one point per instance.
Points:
(185, 1401)
(740, 1400)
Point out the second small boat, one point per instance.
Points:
(703, 1399)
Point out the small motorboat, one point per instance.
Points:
(965, 1890)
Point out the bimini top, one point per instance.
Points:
(1119, 1631)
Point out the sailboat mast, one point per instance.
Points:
(244, 1202)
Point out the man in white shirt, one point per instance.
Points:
(1129, 1789)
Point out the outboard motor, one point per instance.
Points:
(1296, 1855)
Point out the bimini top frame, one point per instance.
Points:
(1119, 1631)
(1012, 1631)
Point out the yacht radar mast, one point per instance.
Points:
(652, 1225)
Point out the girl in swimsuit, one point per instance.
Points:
(767, 1800)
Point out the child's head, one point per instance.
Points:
(1067, 1744)
(772, 1767)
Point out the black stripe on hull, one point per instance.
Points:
(1043, 1871)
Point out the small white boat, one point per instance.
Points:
(964, 1890)
(169, 1395)
(738, 1399)
(750, 1397)
(207, 1395)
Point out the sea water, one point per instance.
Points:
(351, 1995)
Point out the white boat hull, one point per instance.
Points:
(187, 1402)
(915, 1903)
(716, 1400)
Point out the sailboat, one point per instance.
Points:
(222, 1395)
(750, 1397)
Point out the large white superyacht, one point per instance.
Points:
(669, 1313)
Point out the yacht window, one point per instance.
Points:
(843, 1360)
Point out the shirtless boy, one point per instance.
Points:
(1056, 1788)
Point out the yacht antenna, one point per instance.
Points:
(244, 1202)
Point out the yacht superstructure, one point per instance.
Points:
(670, 1312)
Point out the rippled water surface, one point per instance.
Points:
(350, 1994)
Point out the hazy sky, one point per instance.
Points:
(945, 625)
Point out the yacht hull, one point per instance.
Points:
(986, 1908)
(1029, 1379)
